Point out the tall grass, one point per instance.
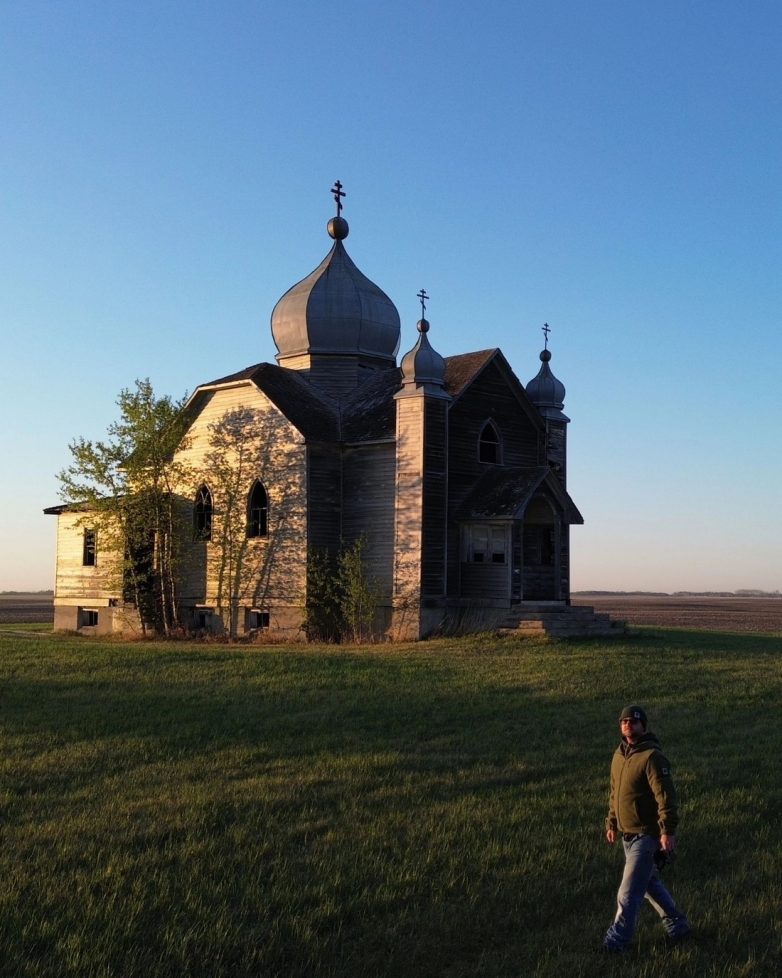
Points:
(435, 809)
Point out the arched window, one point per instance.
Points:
(489, 444)
(202, 515)
(257, 511)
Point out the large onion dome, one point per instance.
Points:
(336, 311)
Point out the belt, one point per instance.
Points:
(630, 836)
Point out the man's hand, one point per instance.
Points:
(668, 843)
(610, 836)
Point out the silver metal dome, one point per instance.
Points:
(423, 364)
(336, 309)
(544, 390)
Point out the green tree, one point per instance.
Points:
(360, 592)
(342, 599)
(124, 485)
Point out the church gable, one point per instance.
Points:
(244, 481)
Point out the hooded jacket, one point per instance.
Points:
(643, 798)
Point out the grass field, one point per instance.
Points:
(201, 811)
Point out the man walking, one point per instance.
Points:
(642, 808)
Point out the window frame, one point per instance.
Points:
(490, 443)
(203, 513)
(257, 527)
(89, 553)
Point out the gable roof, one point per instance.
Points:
(366, 413)
(462, 369)
(314, 412)
(506, 492)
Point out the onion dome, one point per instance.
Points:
(544, 390)
(337, 310)
(423, 368)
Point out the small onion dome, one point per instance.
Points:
(423, 365)
(336, 309)
(544, 390)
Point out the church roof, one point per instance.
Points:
(506, 492)
(367, 413)
(312, 411)
(462, 369)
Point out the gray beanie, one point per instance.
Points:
(635, 712)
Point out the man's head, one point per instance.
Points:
(632, 722)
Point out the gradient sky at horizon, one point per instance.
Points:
(612, 168)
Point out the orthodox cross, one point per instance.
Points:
(546, 330)
(338, 192)
(423, 297)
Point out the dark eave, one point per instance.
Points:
(505, 493)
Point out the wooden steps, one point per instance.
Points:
(546, 619)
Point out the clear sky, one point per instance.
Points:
(611, 167)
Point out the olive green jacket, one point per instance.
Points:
(643, 798)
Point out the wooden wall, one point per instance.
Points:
(368, 507)
(273, 568)
(489, 398)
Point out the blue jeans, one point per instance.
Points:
(640, 881)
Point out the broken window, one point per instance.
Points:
(256, 619)
(202, 515)
(257, 511)
(489, 444)
(89, 551)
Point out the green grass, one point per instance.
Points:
(201, 811)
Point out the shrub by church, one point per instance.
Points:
(450, 471)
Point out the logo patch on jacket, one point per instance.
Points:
(665, 770)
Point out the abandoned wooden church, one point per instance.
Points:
(452, 471)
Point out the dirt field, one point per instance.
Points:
(17, 609)
(710, 614)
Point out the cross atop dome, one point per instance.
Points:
(338, 194)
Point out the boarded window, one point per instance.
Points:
(257, 511)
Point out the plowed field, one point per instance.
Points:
(711, 614)
(18, 609)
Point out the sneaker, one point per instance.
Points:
(678, 938)
(612, 949)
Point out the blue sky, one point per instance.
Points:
(612, 168)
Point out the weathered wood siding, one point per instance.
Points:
(489, 398)
(74, 582)
(268, 572)
(434, 500)
(368, 508)
(324, 492)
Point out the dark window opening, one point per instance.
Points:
(88, 617)
(89, 552)
(489, 445)
(202, 619)
(257, 511)
(257, 619)
(202, 515)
